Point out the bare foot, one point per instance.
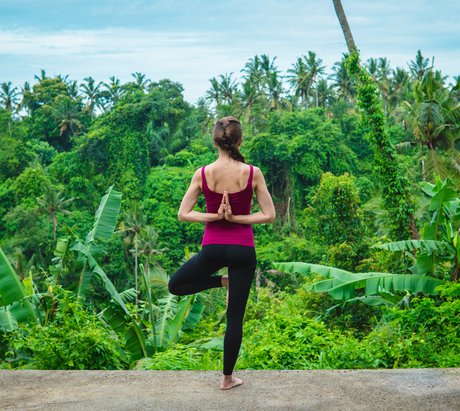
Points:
(227, 383)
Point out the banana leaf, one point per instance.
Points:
(7, 320)
(104, 225)
(423, 246)
(195, 314)
(168, 305)
(106, 216)
(176, 323)
(125, 326)
(12, 291)
(342, 284)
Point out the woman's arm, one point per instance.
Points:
(267, 213)
(186, 212)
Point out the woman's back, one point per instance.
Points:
(237, 180)
(227, 176)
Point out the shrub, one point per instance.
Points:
(73, 339)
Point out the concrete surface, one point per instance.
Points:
(401, 389)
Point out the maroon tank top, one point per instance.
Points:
(223, 231)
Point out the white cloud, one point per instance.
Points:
(192, 57)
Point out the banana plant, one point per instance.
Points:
(104, 225)
(440, 241)
(378, 288)
(15, 304)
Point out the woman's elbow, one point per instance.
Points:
(272, 218)
(181, 216)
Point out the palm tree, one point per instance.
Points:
(344, 25)
(148, 245)
(213, 94)
(53, 202)
(299, 79)
(227, 88)
(140, 79)
(72, 89)
(27, 101)
(325, 93)
(133, 221)
(67, 115)
(250, 97)
(434, 118)
(433, 114)
(342, 81)
(254, 74)
(8, 96)
(114, 89)
(372, 67)
(383, 80)
(274, 90)
(420, 66)
(91, 90)
(252, 91)
(42, 75)
(397, 201)
(398, 87)
(314, 69)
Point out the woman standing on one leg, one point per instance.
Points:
(228, 241)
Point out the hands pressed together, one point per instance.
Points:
(225, 209)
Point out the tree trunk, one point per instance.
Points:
(344, 24)
(54, 226)
(136, 286)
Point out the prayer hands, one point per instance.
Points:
(225, 209)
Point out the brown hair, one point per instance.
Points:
(227, 134)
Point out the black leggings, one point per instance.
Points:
(195, 276)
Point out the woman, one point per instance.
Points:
(228, 240)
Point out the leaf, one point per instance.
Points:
(423, 246)
(195, 314)
(169, 304)
(308, 269)
(7, 320)
(133, 336)
(106, 216)
(175, 324)
(12, 291)
(343, 284)
(111, 288)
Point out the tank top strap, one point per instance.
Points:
(203, 179)
(251, 173)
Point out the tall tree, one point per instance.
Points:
(130, 227)
(420, 65)
(393, 182)
(8, 96)
(91, 91)
(53, 202)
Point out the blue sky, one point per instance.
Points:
(192, 41)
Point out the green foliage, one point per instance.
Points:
(296, 150)
(29, 185)
(182, 357)
(393, 183)
(440, 243)
(75, 340)
(336, 204)
(15, 306)
(164, 190)
(145, 138)
(378, 288)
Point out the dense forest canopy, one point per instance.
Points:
(64, 145)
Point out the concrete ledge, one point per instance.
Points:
(401, 389)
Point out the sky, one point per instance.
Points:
(193, 41)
